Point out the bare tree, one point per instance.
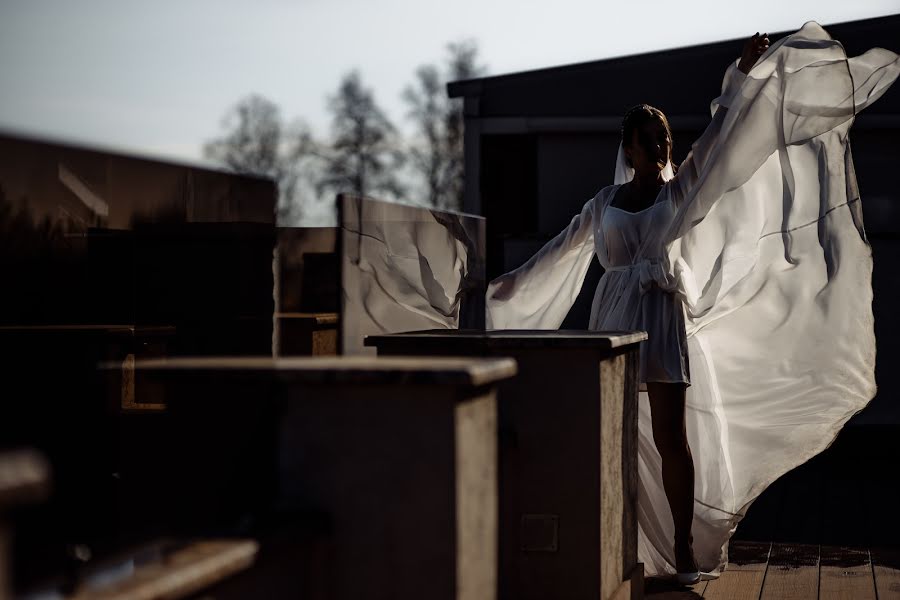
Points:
(364, 155)
(256, 141)
(428, 153)
(297, 172)
(462, 63)
(437, 151)
(252, 143)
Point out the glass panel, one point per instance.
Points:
(406, 268)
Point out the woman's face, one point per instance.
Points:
(650, 148)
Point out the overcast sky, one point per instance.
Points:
(156, 76)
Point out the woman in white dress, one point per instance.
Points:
(743, 267)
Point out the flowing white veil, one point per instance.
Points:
(625, 173)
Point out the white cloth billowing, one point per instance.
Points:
(760, 236)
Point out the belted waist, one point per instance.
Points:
(650, 271)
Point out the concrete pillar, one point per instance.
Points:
(567, 455)
(397, 456)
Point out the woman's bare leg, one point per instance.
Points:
(670, 435)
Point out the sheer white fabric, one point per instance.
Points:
(765, 248)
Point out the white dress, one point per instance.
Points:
(634, 293)
(760, 240)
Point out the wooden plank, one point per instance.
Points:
(744, 574)
(749, 556)
(792, 573)
(736, 585)
(887, 582)
(314, 318)
(743, 577)
(886, 568)
(664, 588)
(129, 402)
(881, 489)
(699, 588)
(845, 573)
(180, 574)
(672, 594)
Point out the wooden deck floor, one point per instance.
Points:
(826, 530)
(759, 571)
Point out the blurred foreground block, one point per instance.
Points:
(55, 401)
(397, 455)
(567, 456)
(24, 479)
(180, 573)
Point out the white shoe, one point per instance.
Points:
(687, 578)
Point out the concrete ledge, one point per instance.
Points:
(510, 338)
(346, 369)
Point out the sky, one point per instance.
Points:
(155, 78)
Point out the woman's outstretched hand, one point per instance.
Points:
(753, 49)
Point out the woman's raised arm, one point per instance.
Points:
(539, 294)
(701, 150)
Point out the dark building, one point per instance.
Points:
(540, 143)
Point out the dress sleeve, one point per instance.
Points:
(702, 149)
(539, 294)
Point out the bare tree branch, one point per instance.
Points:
(256, 141)
(365, 152)
(437, 151)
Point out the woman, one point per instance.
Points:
(742, 268)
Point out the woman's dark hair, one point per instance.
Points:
(637, 116)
